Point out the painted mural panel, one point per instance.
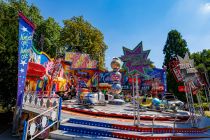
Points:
(80, 61)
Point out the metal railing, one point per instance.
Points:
(39, 124)
(153, 123)
(48, 109)
(174, 125)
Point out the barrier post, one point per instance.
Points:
(153, 120)
(25, 130)
(59, 112)
(174, 125)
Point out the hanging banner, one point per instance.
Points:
(26, 29)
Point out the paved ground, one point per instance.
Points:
(7, 135)
(5, 126)
(125, 109)
(121, 109)
(128, 109)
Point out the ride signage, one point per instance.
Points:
(136, 61)
(174, 67)
(26, 30)
(189, 73)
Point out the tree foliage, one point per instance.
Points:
(175, 45)
(79, 35)
(202, 60)
(47, 37)
(9, 45)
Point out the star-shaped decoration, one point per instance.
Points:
(21, 70)
(136, 61)
(23, 62)
(186, 62)
(24, 29)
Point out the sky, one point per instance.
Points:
(128, 22)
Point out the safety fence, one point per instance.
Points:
(48, 109)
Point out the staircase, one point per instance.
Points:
(77, 129)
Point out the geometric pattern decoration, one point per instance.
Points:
(186, 60)
(136, 61)
(187, 64)
(38, 102)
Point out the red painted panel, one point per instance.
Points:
(181, 88)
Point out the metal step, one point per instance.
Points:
(107, 132)
(76, 129)
(138, 129)
(64, 135)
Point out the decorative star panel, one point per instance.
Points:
(136, 61)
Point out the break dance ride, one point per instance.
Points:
(70, 97)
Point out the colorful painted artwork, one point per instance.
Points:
(80, 61)
(160, 75)
(156, 82)
(105, 77)
(39, 57)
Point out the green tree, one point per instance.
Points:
(80, 36)
(47, 37)
(175, 45)
(9, 45)
(202, 61)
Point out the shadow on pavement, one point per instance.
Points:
(6, 126)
